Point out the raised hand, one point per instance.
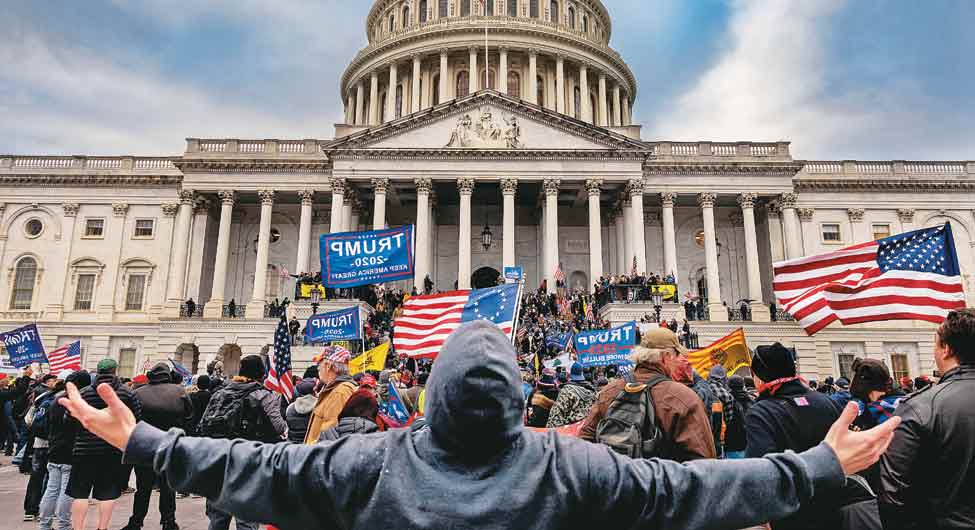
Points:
(113, 424)
(857, 451)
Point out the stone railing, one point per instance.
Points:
(231, 146)
(97, 163)
(894, 167)
(736, 150)
(478, 22)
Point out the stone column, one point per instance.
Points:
(304, 230)
(214, 308)
(503, 70)
(472, 74)
(620, 242)
(444, 81)
(335, 224)
(532, 77)
(356, 213)
(360, 100)
(508, 189)
(421, 234)
(380, 185)
(374, 98)
(670, 238)
(431, 236)
(790, 222)
(627, 233)
(617, 120)
(595, 232)
(177, 267)
(415, 86)
(255, 308)
(551, 189)
(719, 313)
(760, 312)
(391, 92)
(560, 84)
(626, 118)
(585, 113)
(347, 209)
(466, 187)
(603, 102)
(636, 187)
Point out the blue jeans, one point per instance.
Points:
(221, 520)
(55, 504)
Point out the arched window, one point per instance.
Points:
(423, 10)
(382, 107)
(577, 103)
(514, 84)
(392, 23)
(571, 16)
(512, 8)
(593, 106)
(540, 82)
(399, 101)
(533, 8)
(585, 24)
(442, 12)
(406, 16)
(554, 11)
(465, 8)
(435, 88)
(489, 7)
(490, 79)
(25, 277)
(463, 83)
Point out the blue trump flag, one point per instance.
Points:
(24, 346)
(606, 347)
(336, 325)
(350, 259)
(559, 340)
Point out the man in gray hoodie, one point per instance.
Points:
(476, 466)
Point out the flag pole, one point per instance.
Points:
(514, 328)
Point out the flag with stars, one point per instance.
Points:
(426, 321)
(279, 374)
(909, 276)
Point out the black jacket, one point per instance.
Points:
(297, 415)
(87, 444)
(796, 418)
(164, 404)
(200, 399)
(61, 433)
(348, 426)
(927, 475)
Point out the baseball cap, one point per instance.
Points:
(107, 366)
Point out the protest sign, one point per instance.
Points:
(350, 259)
(606, 347)
(515, 274)
(336, 325)
(24, 346)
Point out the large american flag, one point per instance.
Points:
(279, 375)
(427, 321)
(909, 276)
(66, 357)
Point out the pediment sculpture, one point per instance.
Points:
(486, 133)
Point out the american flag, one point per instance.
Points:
(589, 315)
(565, 307)
(279, 375)
(426, 321)
(909, 276)
(66, 357)
(559, 276)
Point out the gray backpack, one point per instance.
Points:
(630, 427)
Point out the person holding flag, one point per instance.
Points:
(333, 372)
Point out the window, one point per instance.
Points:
(406, 16)
(593, 106)
(512, 8)
(845, 362)
(144, 228)
(83, 293)
(382, 107)
(554, 11)
(399, 101)
(442, 12)
(571, 16)
(899, 367)
(94, 227)
(845, 353)
(33, 228)
(423, 10)
(533, 8)
(465, 8)
(135, 292)
(514, 84)
(540, 83)
(577, 102)
(436, 90)
(489, 7)
(463, 84)
(831, 233)
(126, 362)
(881, 231)
(585, 24)
(25, 277)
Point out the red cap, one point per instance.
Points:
(141, 379)
(367, 381)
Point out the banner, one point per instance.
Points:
(350, 259)
(559, 340)
(24, 346)
(305, 290)
(730, 351)
(606, 347)
(667, 291)
(374, 359)
(514, 274)
(336, 325)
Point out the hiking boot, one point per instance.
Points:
(170, 526)
(128, 491)
(132, 526)
(28, 517)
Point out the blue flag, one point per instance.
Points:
(350, 259)
(606, 347)
(183, 372)
(335, 325)
(393, 409)
(559, 340)
(24, 346)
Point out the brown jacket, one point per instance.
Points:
(678, 411)
(330, 403)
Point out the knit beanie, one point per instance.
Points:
(81, 379)
(203, 382)
(773, 362)
(305, 388)
(869, 375)
(361, 404)
(252, 367)
(736, 383)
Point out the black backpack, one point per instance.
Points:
(630, 426)
(234, 413)
(39, 422)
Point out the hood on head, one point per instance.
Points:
(718, 375)
(473, 397)
(160, 374)
(305, 404)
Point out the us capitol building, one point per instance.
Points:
(521, 152)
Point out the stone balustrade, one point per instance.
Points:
(895, 167)
(736, 150)
(17, 164)
(237, 147)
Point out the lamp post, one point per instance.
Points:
(316, 298)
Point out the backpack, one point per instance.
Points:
(38, 415)
(630, 427)
(234, 413)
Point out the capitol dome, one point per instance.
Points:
(553, 53)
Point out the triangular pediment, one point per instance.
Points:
(487, 120)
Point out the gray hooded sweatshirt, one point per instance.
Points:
(476, 466)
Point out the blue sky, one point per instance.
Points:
(867, 79)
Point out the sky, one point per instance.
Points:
(840, 79)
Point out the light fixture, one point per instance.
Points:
(487, 238)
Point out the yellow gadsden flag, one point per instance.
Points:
(731, 351)
(374, 359)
